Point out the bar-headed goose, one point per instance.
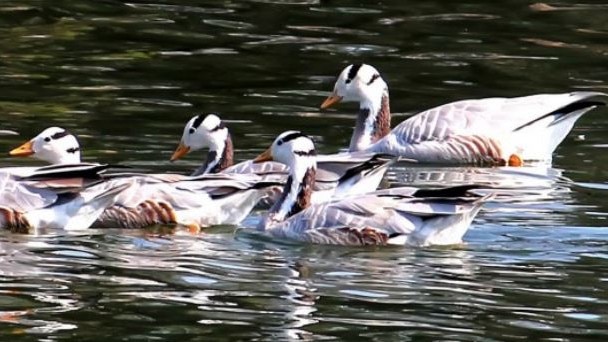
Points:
(150, 199)
(337, 174)
(495, 131)
(393, 216)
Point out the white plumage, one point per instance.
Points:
(43, 201)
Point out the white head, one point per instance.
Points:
(357, 83)
(202, 132)
(292, 148)
(54, 145)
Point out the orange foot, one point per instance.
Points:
(193, 228)
(515, 160)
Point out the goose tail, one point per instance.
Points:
(445, 229)
(552, 128)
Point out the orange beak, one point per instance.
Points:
(23, 151)
(181, 151)
(331, 100)
(264, 156)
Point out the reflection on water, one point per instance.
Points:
(533, 176)
(126, 76)
(246, 287)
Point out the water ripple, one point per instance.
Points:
(179, 8)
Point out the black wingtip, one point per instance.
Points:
(563, 112)
(266, 184)
(453, 191)
(378, 160)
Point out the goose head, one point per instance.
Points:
(201, 132)
(292, 148)
(357, 83)
(207, 132)
(54, 145)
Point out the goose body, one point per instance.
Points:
(150, 199)
(337, 175)
(403, 216)
(494, 131)
(46, 201)
(193, 201)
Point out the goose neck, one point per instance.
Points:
(297, 192)
(373, 122)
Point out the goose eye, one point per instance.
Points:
(375, 77)
(191, 130)
(47, 139)
(280, 142)
(347, 81)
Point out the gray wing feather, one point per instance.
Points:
(331, 167)
(258, 168)
(377, 219)
(481, 116)
(19, 196)
(356, 213)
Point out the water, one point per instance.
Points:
(126, 76)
